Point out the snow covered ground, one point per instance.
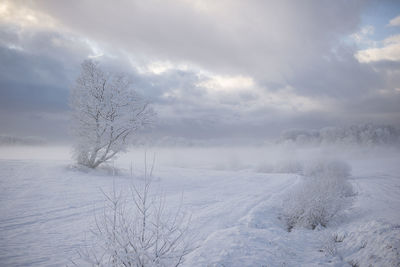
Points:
(235, 196)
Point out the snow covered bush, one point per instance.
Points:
(138, 231)
(106, 112)
(320, 196)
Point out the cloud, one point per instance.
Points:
(36, 70)
(390, 50)
(395, 21)
(363, 37)
(25, 17)
(257, 38)
(210, 68)
(227, 83)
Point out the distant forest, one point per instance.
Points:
(364, 134)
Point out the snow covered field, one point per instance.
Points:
(234, 195)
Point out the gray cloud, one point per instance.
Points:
(35, 74)
(303, 74)
(339, 76)
(266, 38)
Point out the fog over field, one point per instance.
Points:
(199, 133)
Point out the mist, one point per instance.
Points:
(199, 133)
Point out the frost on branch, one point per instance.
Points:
(138, 231)
(106, 112)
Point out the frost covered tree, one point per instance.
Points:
(106, 113)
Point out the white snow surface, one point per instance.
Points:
(47, 205)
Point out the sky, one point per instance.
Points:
(211, 69)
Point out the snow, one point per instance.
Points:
(47, 205)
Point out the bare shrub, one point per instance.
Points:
(337, 238)
(319, 197)
(353, 263)
(331, 242)
(138, 231)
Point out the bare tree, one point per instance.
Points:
(106, 113)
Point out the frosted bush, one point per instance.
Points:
(327, 168)
(320, 196)
(138, 231)
(332, 175)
